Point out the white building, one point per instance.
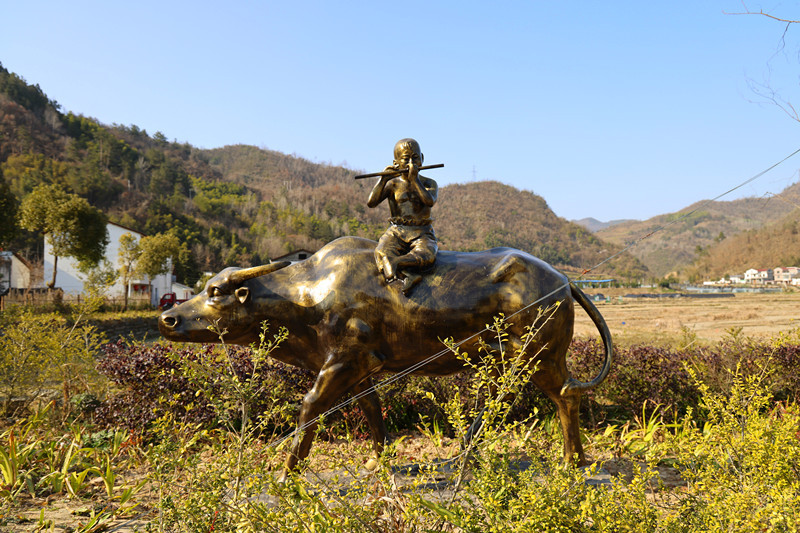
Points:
(182, 292)
(70, 279)
(736, 278)
(758, 275)
(15, 272)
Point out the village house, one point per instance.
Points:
(786, 274)
(71, 280)
(758, 275)
(15, 272)
(182, 292)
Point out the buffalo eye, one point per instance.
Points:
(214, 292)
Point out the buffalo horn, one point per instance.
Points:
(240, 276)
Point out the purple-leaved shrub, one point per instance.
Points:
(151, 381)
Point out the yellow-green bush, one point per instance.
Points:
(741, 461)
(42, 354)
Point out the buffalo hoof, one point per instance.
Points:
(283, 478)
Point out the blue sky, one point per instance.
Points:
(606, 109)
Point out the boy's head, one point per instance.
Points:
(405, 149)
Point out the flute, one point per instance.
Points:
(395, 172)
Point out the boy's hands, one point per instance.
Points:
(413, 171)
(389, 168)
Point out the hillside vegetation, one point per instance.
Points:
(774, 245)
(468, 217)
(681, 241)
(481, 215)
(242, 205)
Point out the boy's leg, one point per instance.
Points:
(387, 252)
(422, 254)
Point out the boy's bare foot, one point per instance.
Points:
(410, 280)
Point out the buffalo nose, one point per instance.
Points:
(169, 321)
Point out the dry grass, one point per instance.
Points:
(673, 321)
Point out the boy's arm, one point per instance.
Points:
(432, 187)
(380, 191)
(427, 193)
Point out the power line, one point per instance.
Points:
(686, 215)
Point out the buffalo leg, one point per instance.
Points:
(568, 411)
(549, 378)
(550, 381)
(332, 383)
(371, 406)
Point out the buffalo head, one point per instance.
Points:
(225, 305)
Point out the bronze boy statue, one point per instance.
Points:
(409, 244)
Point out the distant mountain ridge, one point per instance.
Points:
(683, 239)
(241, 205)
(467, 217)
(776, 244)
(593, 225)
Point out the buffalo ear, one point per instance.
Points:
(242, 294)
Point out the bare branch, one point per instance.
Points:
(770, 95)
(764, 90)
(764, 14)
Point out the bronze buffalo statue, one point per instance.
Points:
(346, 323)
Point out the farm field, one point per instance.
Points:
(672, 320)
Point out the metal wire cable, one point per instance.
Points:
(685, 215)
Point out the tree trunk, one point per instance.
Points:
(126, 282)
(52, 283)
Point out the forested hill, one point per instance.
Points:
(241, 205)
(684, 240)
(776, 244)
(481, 215)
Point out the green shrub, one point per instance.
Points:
(42, 353)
